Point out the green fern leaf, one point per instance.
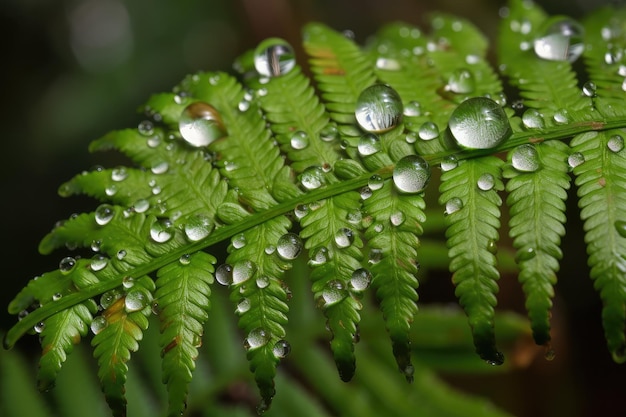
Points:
(182, 295)
(470, 194)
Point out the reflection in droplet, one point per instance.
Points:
(561, 40)
(428, 131)
(615, 143)
(98, 324)
(411, 174)
(479, 123)
(360, 279)
(453, 205)
(575, 159)
(67, 264)
(135, 300)
(344, 237)
(449, 162)
(289, 246)
(224, 274)
(333, 292)
(525, 158)
(162, 230)
(369, 144)
(256, 338)
(281, 349)
(197, 227)
(378, 108)
(532, 119)
(243, 271)
(486, 182)
(200, 124)
(461, 82)
(104, 214)
(274, 57)
(312, 178)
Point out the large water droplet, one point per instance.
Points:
(200, 124)
(369, 144)
(561, 40)
(378, 108)
(256, 338)
(319, 256)
(98, 324)
(239, 241)
(162, 230)
(525, 158)
(333, 292)
(312, 178)
(411, 174)
(360, 279)
(224, 274)
(461, 82)
(397, 218)
(299, 140)
(243, 271)
(108, 298)
(104, 214)
(135, 300)
(532, 119)
(344, 237)
(479, 123)
(289, 246)
(198, 227)
(274, 57)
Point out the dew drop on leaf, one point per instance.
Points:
(224, 274)
(243, 306)
(289, 246)
(239, 241)
(146, 128)
(411, 137)
(312, 178)
(560, 40)
(589, 89)
(525, 158)
(121, 254)
(375, 182)
(256, 338)
(413, 109)
(135, 300)
(378, 108)
(532, 119)
(98, 263)
(428, 131)
(461, 81)
(141, 205)
(318, 256)
(620, 227)
(397, 218)
(526, 254)
(368, 144)
(67, 264)
(299, 140)
(561, 117)
(575, 159)
(300, 211)
(128, 282)
(57, 296)
(375, 256)
(185, 259)
(39, 327)
(159, 167)
(108, 298)
(200, 124)
(274, 57)
(119, 174)
(243, 271)
(615, 143)
(479, 123)
(262, 282)
(197, 227)
(329, 133)
(411, 174)
(486, 182)
(365, 193)
(98, 324)
(344, 237)
(453, 205)
(104, 214)
(360, 279)
(162, 230)
(492, 246)
(281, 349)
(333, 292)
(449, 162)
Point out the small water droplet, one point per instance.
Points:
(57, 296)
(200, 124)
(368, 144)
(67, 264)
(141, 206)
(479, 123)
(329, 133)
(185, 259)
(532, 119)
(121, 254)
(243, 306)
(375, 256)
(360, 279)
(243, 271)
(108, 298)
(104, 214)
(428, 131)
(319, 256)
(128, 282)
(388, 64)
(312, 178)
(119, 174)
(575, 159)
(561, 117)
(492, 246)
(449, 162)
(39, 327)
(413, 109)
(378, 108)
(453, 205)
(561, 40)
(411, 137)
(256, 338)
(98, 263)
(375, 182)
(159, 167)
(344, 237)
(135, 300)
(397, 218)
(239, 241)
(589, 89)
(262, 282)
(620, 227)
(146, 128)
(525, 158)
(98, 324)
(274, 57)
(289, 246)
(299, 140)
(486, 182)
(525, 254)
(615, 143)
(243, 105)
(224, 274)
(300, 211)
(333, 292)
(461, 82)
(281, 349)
(411, 174)
(197, 227)
(365, 193)
(162, 230)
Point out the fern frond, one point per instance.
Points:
(182, 295)
(470, 194)
(537, 190)
(601, 182)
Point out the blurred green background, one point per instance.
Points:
(74, 69)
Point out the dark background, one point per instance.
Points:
(73, 70)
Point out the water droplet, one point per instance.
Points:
(185, 259)
(299, 140)
(262, 282)
(104, 214)
(135, 300)
(376, 255)
(486, 182)
(479, 123)
(111, 190)
(525, 254)
(197, 227)
(615, 143)
(239, 241)
(281, 349)
(243, 306)
(243, 271)
(141, 206)
(329, 133)
(344, 237)
(561, 116)
(224, 274)
(95, 245)
(360, 279)
(39, 327)
(397, 218)
(525, 158)
(492, 246)
(532, 119)
(365, 193)
(312, 178)
(411, 174)
(269, 249)
(146, 128)
(121, 254)
(98, 324)
(411, 137)
(561, 40)
(108, 298)
(274, 57)
(369, 144)
(453, 205)
(461, 82)
(57, 296)
(413, 109)
(449, 162)
(378, 108)
(300, 211)
(159, 167)
(319, 256)
(428, 131)
(589, 89)
(98, 263)
(388, 64)
(256, 338)
(375, 182)
(128, 282)
(67, 264)
(162, 230)
(575, 159)
(334, 291)
(200, 124)
(289, 246)
(620, 226)
(243, 105)
(119, 173)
